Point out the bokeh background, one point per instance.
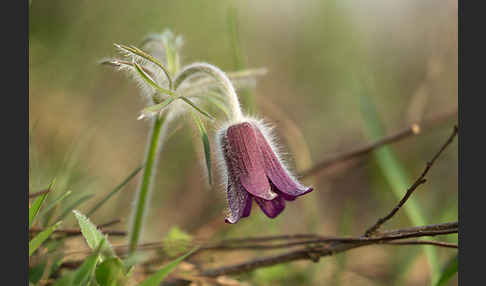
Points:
(340, 74)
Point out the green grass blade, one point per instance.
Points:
(115, 190)
(74, 205)
(186, 100)
(160, 275)
(41, 237)
(248, 101)
(207, 148)
(91, 234)
(449, 271)
(34, 209)
(150, 81)
(55, 202)
(394, 173)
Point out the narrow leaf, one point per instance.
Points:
(74, 205)
(36, 271)
(84, 273)
(186, 100)
(92, 235)
(146, 56)
(41, 237)
(115, 190)
(160, 275)
(207, 148)
(150, 81)
(55, 202)
(110, 272)
(449, 271)
(34, 209)
(157, 107)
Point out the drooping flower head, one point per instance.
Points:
(252, 167)
(254, 171)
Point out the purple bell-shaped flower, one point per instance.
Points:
(255, 171)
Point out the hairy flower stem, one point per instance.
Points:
(152, 155)
(143, 191)
(219, 76)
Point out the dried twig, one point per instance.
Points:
(429, 230)
(420, 180)
(307, 248)
(109, 223)
(423, 242)
(332, 246)
(77, 231)
(412, 130)
(296, 240)
(270, 238)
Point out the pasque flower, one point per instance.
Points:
(255, 171)
(252, 167)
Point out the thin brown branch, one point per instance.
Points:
(417, 230)
(328, 240)
(310, 249)
(293, 240)
(429, 230)
(109, 223)
(412, 130)
(270, 238)
(33, 195)
(333, 245)
(77, 231)
(423, 242)
(420, 180)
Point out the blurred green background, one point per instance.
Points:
(331, 65)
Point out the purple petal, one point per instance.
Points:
(277, 174)
(247, 209)
(245, 161)
(239, 202)
(273, 207)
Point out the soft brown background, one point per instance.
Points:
(85, 132)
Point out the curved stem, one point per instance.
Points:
(143, 192)
(220, 76)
